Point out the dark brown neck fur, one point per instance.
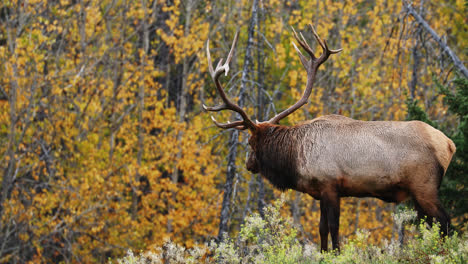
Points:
(276, 153)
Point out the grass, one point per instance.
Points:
(273, 240)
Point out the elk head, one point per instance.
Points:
(311, 66)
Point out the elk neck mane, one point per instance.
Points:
(276, 152)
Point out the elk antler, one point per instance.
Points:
(311, 65)
(228, 105)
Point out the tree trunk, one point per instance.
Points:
(8, 175)
(260, 100)
(416, 60)
(141, 105)
(231, 172)
(234, 138)
(414, 75)
(401, 234)
(296, 209)
(182, 105)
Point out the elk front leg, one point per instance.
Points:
(323, 226)
(331, 202)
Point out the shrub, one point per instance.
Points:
(273, 240)
(269, 240)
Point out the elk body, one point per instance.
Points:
(334, 156)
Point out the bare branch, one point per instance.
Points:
(456, 61)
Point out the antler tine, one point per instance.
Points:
(301, 56)
(332, 51)
(323, 43)
(208, 55)
(236, 124)
(303, 43)
(319, 40)
(228, 105)
(215, 108)
(306, 44)
(220, 67)
(231, 52)
(311, 65)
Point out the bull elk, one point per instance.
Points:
(334, 156)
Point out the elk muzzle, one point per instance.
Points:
(252, 163)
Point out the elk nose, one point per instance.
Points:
(252, 163)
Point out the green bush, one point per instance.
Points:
(273, 240)
(269, 240)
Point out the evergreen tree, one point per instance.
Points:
(454, 189)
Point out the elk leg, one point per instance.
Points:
(420, 212)
(332, 202)
(444, 222)
(323, 227)
(432, 208)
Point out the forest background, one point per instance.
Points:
(104, 145)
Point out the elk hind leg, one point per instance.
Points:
(428, 204)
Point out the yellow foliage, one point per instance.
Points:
(90, 113)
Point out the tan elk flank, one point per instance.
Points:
(334, 156)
